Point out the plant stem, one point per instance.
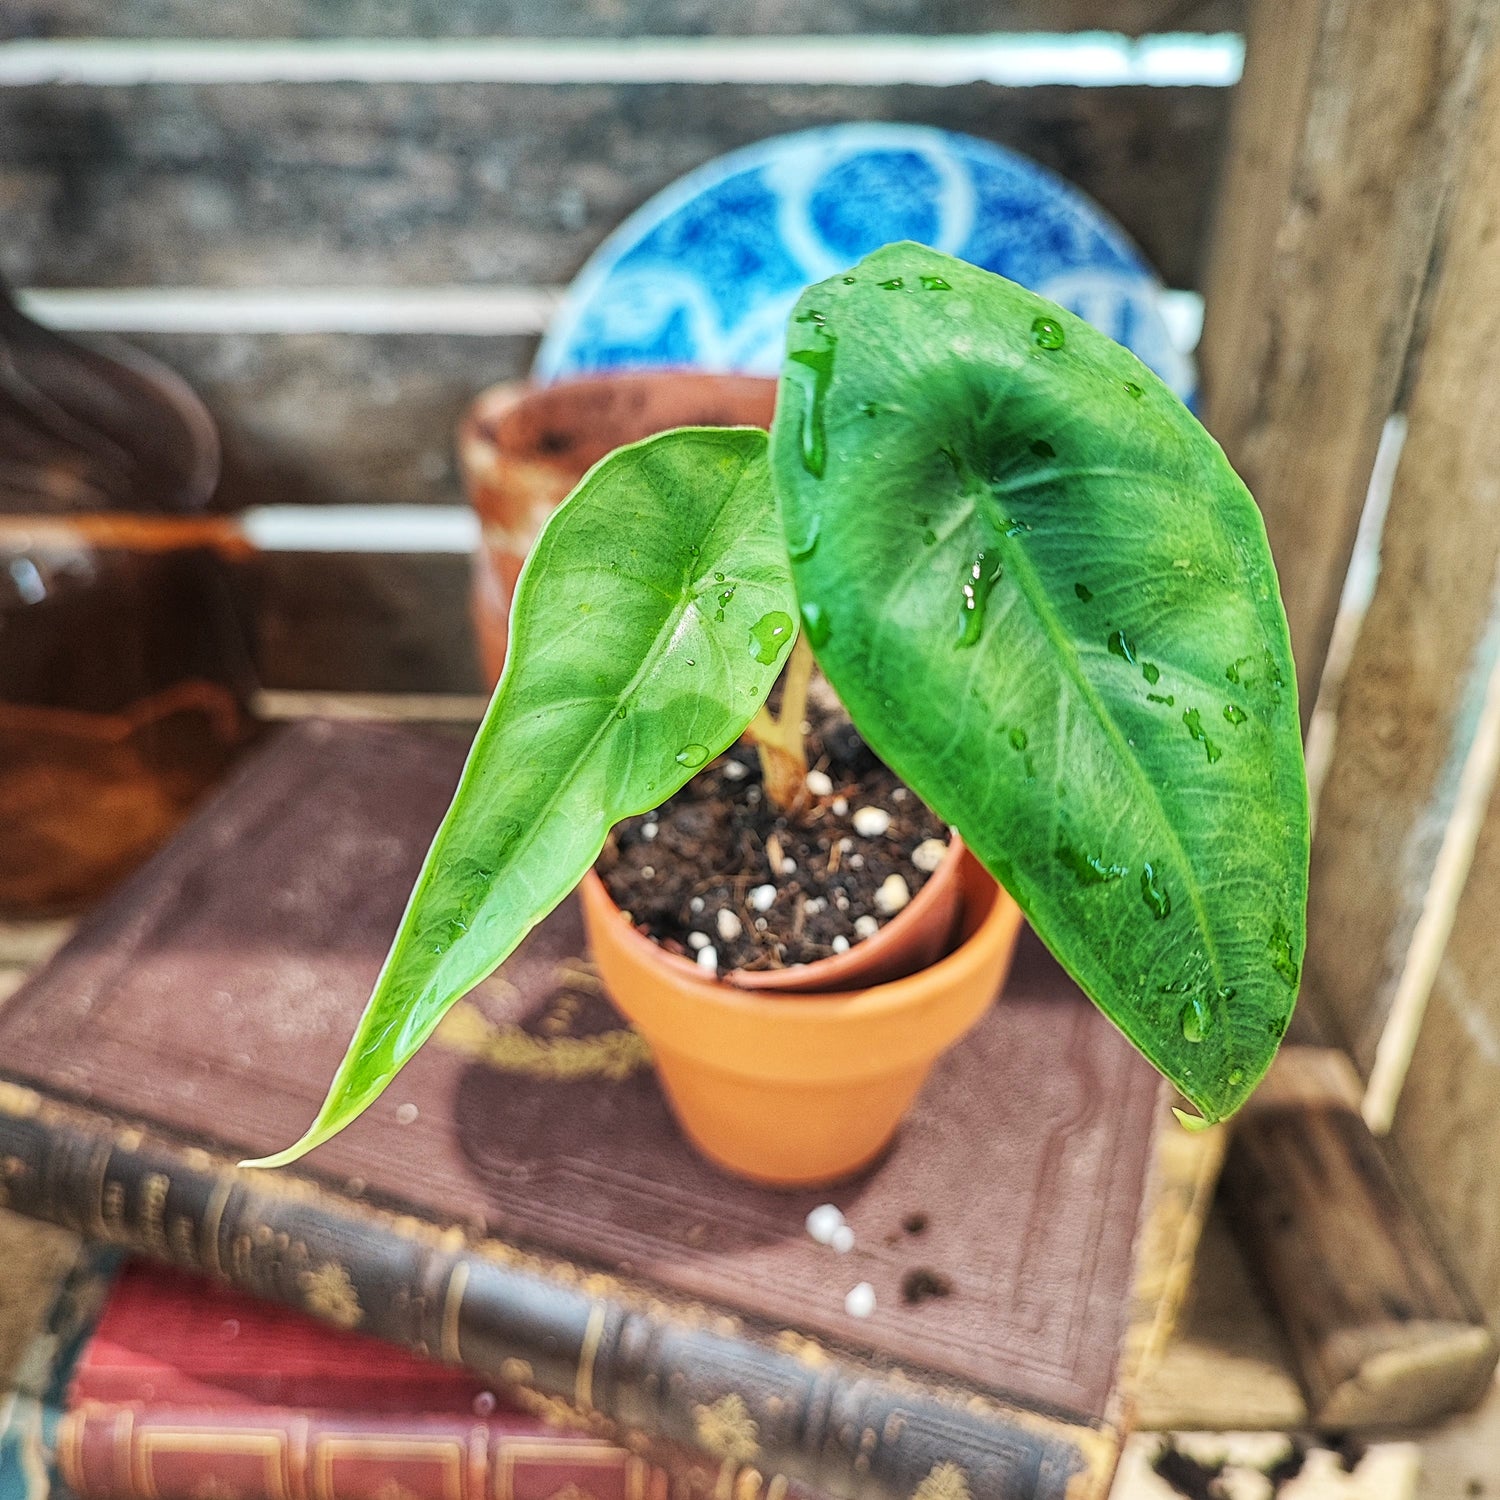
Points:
(778, 740)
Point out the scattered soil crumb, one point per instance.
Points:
(771, 889)
(915, 1223)
(920, 1283)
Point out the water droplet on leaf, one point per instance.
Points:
(816, 623)
(811, 370)
(1083, 591)
(770, 636)
(1155, 894)
(935, 284)
(978, 580)
(1194, 722)
(691, 756)
(1120, 645)
(1018, 739)
(1089, 869)
(1168, 699)
(1133, 390)
(1043, 449)
(1196, 1019)
(1235, 714)
(804, 546)
(1281, 956)
(1151, 672)
(1047, 333)
(895, 284)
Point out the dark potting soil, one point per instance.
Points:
(719, 867)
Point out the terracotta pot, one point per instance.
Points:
(794, 1091)
(522, 448)
(918, 935)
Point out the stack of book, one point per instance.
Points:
(519, 1206)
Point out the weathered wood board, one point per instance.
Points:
(268, 184)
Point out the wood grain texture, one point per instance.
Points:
(1447, 1127)
(352, 419)
(602, 18)
(361, 622)
(1419, 670)
(1381, 1330)
(344, 184)
(1320, 273)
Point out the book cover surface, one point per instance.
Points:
(214, 996)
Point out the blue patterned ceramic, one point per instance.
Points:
(704, 275)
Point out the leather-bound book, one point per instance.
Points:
(520, 1202)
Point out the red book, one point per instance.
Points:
(169, 1339)
(191, 1391)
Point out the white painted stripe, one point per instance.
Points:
(1096, 59)
(431, 708)
(482, 311)
(485, 311)
(362, 528)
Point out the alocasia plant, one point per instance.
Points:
(1040, 591)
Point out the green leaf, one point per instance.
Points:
(648, 627)
(1048, 603)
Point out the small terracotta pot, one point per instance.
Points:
(522, 448)
(915, 937)
(795, 1091)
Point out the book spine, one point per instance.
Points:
(124, 1452)
(575, 1348)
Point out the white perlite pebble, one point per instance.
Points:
(856, 861)
(762, 897)
(928, 855)
(649, 831)
(871, 822)
(814, 904)
(843, 1239)
(735, 770)
(708, 959)
(840, 944)
(846, 846)
(648, 872)
(695, 905)
(860, 1301)
(840, 806)
(824, 1222)
(788, 865)
(866, 926)
(899, 795)
(894, 893)
(729, 925)
(820, 783)
(405, 1114)
(697, 940)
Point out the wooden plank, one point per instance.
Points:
(1319, 274)
(361, 623)
(1447, 1127)
(341, 18)
(1381, 1331)
(1387, 848)
(357, 419)
(324, 184)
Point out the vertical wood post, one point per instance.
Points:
(1339, 169)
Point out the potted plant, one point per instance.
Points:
(1047, 604)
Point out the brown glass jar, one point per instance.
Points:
(124, 681)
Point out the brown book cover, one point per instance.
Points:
(520, 1200)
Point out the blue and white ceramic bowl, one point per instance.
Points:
(704, 275)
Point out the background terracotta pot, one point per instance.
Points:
(522, 448)
(795, 1091)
